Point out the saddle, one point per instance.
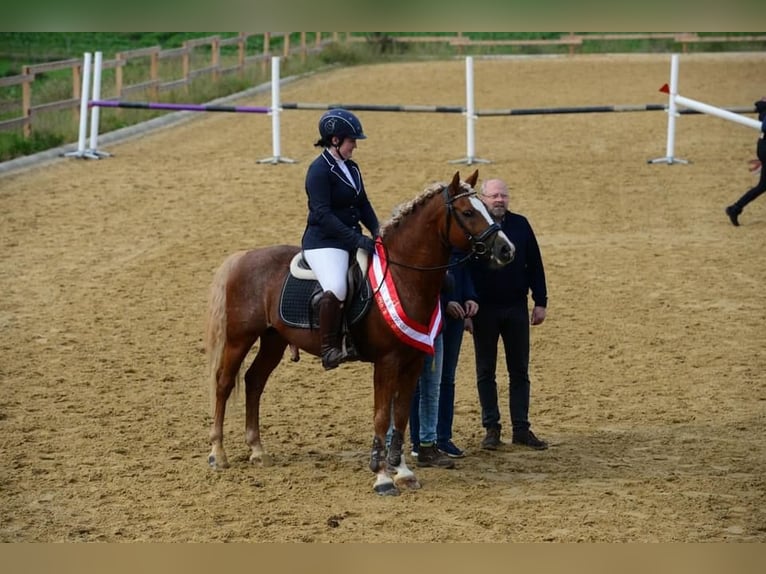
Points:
(299, 299)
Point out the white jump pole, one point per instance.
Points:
(672, 115)
(86, 67)
(276, 106)
(717, 112)
(93, 152)
(470, 117)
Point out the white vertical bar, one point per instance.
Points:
(84, 102)
(672, 112)
(469, 109)
(95, 110)
(275, 105)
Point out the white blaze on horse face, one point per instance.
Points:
(481, 208)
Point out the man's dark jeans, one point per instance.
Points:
(511, 324)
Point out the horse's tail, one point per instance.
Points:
(215, 320)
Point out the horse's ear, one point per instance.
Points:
(455, 185)
(472, 180)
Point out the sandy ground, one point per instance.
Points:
(648, 375)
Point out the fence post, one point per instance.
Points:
(241, 51)
(118, 80)
(26, 101)
(266, 50)
(215, 58)
(186, 65)
(154, 73)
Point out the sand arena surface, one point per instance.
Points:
(647, 377)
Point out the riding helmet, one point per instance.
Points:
(341, 123)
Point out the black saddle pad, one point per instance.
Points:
(295, 303)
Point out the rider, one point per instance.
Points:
(337, 203)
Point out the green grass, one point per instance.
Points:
(18, 49)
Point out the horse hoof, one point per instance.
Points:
(216, 464)
(386, 490)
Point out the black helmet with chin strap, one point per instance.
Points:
(340, 123)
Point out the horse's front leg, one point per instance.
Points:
(395, 379)
(384, 484)
(403, 476)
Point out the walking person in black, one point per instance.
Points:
(735, 209)
(504, 314)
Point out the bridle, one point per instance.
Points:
(478, 243)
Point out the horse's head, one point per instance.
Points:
(476, 231)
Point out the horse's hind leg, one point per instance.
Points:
(272, 348)
(226, 379)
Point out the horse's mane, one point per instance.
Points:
(402, 210)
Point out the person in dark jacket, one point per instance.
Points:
(735, 209)
(504, 313)
(337, 208)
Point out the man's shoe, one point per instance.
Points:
(432, 456)
(450, 449)
(492, 440)
(415, 449)
(733, 214)
(528, 438)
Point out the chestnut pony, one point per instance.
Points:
(244, 308)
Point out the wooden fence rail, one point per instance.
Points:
(203, 57)
(198, 57)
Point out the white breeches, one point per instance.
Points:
(331, 268)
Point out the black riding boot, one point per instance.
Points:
(330, 322)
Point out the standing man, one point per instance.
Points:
(504, 313)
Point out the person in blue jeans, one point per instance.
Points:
(424, 411)
(459, 304)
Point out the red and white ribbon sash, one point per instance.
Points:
(411, 332)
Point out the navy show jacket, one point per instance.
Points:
(336, 207)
